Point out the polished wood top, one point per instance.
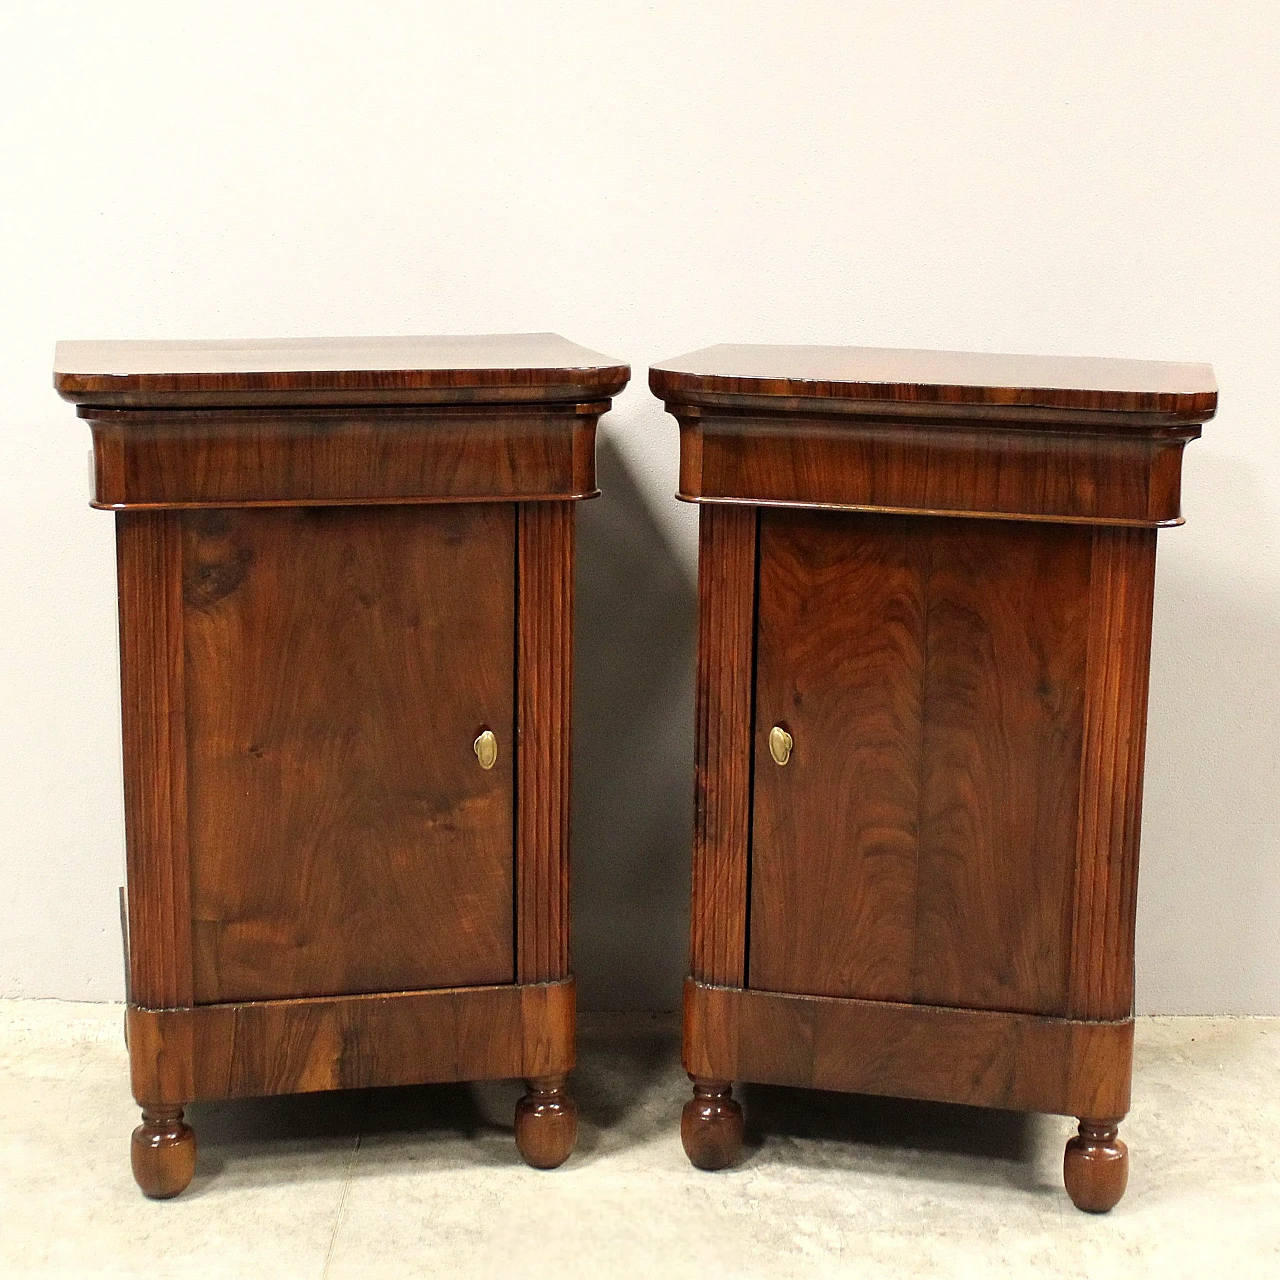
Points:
(474, 368)
(888, 376)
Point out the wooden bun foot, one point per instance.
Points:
(1096, 1166)
(546, 1123)
(711, 1125)
(163, 1152)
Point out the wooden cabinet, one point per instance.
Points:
(925, 592)
(346, 599)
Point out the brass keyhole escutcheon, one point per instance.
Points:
(780, 744)
(486, 749)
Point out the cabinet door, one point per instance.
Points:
(919, 842)
(340, 663)
(839, 667)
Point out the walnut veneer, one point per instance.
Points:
(346, 602)
(925, 587)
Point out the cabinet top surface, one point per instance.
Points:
(525, 366)
(888, 375)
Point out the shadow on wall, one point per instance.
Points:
(636, 631)
(1209, 884)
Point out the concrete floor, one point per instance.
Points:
(427, 1182)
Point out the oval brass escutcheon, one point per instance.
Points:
(486, 748)
(780, 744)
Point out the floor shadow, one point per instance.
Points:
(1002, 1145)
(886, 1122)
(253, 1129)
(337, 1113)
(263, 1129)
(442, 1108)
(623, 1060)
(628, 1082)
(636, 627)
(312, 1115)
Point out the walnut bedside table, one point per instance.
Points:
(346, 606)
(925, 594)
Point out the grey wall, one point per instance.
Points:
(648, 177)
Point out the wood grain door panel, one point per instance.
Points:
(1006, 646)
(839, 665)
(340, 663)
(919, 845)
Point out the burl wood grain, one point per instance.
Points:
(920, 842)
(545, 656)
(343, 837)
(722, 796)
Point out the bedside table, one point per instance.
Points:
(346, 606)
(925, 595)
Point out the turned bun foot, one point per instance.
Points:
(163, 1152)
(546, 1123)
(1096, 1166)
(711, 1125)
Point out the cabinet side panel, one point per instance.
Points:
(1110, 810)
(544, 680)
(149, 572)
(722, 797)
(1004, 709)
(839, 666)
